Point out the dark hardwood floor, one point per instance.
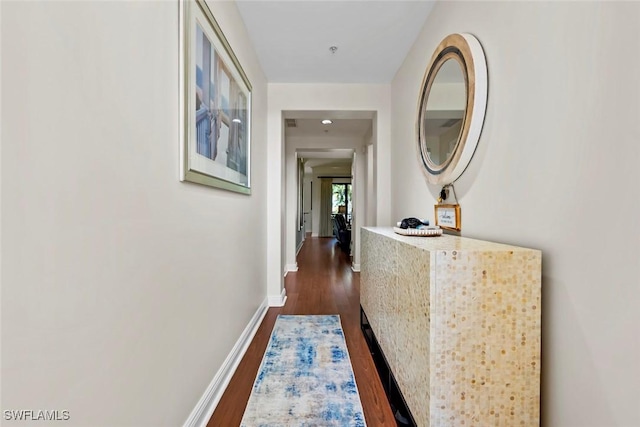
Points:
(324, 284)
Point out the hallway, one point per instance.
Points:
(324, 284)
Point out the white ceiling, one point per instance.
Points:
(329, 160)
(341, 167)
(292, 38)
(344, 154)
(339, 127)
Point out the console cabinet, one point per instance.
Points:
(458, 322)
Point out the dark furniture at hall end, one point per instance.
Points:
(342, 232)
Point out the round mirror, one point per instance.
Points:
(444, 112)
(451, 108)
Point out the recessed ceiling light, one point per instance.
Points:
(236, 121)
(326, 122)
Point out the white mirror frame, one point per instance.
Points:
(466, 49)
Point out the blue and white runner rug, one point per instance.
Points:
(305, 378)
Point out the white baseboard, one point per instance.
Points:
(355, 267)
(299, 247)
(314, 234)
(201, 414)
(291, 268)
(278, 300)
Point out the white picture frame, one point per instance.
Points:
(215, 113)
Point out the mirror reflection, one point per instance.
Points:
(444, 112)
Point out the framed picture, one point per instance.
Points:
(216, 104)
(448, 217)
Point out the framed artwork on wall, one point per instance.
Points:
(215, 96)
(448, 217)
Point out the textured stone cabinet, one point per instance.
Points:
(458, 321)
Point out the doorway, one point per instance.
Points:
(342, 201)
(333, 151)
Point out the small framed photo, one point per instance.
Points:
(215, 97)
(448, 217)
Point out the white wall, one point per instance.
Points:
(370, 193)
(563, 79)
(307, 203)
(447, 96)
(319, 97)
(123, 289)
(359, 211)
